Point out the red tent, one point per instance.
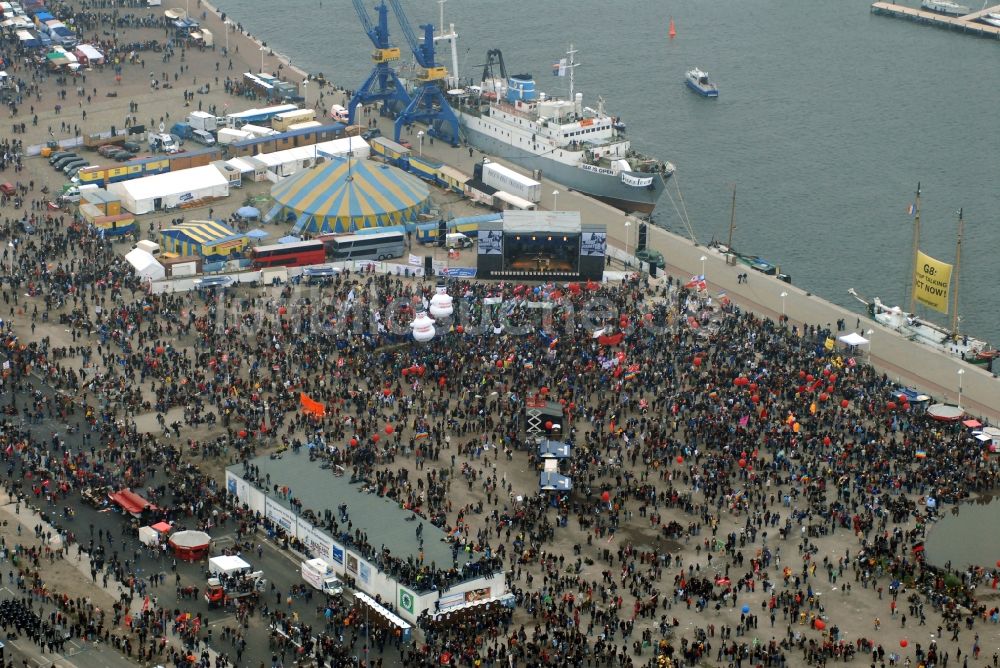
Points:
(131, 502)
(190, 545)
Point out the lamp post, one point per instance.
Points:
(555, 200)
(783, 295)
(262, 58)
(225, 24)
(628, 224)
(961, 372)
(869, 333)
(305, 93)
(420, 142)
(703, 258)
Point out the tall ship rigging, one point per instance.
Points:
(930, 288)
(582, 148)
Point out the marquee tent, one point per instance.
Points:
(345, 195)
(208, 238)
(171, 189)
(145, 265)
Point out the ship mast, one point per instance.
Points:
(732, 227)
(571, 65)
(958, 273)
(913, 255)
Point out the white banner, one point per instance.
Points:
(416, 260)
(598, 170)
(637, 181)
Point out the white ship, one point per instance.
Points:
(582, 148)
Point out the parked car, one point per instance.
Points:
(76, 170)
(203, 137)
(8, 189)
(59, 154)
(374, 132)
(122, 156)
(107, 150)
(132, 147)
(71, 167)
(61, 162)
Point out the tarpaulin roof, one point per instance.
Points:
(554, 482)
(553, 449)
(204, 232)
(130, 501)
(344, 195)
(190, 539)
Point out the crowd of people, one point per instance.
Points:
(717, 454)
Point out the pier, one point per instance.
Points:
(967, 23)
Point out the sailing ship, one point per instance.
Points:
(909, 324)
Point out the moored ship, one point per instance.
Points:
(582, 148)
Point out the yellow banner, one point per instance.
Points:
(931, 282)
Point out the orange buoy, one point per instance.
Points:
(672, 31)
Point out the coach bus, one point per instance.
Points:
(298, 254)
(378, 246)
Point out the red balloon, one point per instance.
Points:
(903, 642)
(499, 364)
(810, 378)
(826, 373)
(548, 424)
(753, 387)
(820, 624)
(605, 496)
(282, 310)
(376, 438)
(891, 405)
(755, 398)
(243, 433)
(680, 460)
(459, 329)
(743, 463)
(844, 403)
(544, 390)
(354, 442)
(906, 407)
(386, 392)
(826, 440)
(697, 361)
(389, 429)
(802, 374)
(823, 396)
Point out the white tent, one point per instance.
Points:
(170, 189)
(145, 265)
(853, 339)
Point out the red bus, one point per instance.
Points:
(298, 254)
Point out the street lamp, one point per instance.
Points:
(262, 58)
(420, 142)
(961, 372)
(703, 258)
(555, 200)
(305, 93)
(869, 333)
(226, 26)
(628, 224)
(783, 295)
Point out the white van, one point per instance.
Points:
(457, 240)
(339, 113)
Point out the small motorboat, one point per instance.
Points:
(992, 18)
(699, 82)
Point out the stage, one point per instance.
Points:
(541, 246)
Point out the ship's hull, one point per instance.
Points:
(608, 188)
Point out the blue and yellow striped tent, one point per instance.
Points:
(337, 197)
(208, 238)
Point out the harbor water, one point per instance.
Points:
(827, 119)
(965, 535)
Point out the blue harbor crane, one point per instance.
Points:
(428, 103)
(383, 84)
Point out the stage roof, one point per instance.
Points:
(562, 222)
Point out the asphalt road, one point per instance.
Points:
(281, 569)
